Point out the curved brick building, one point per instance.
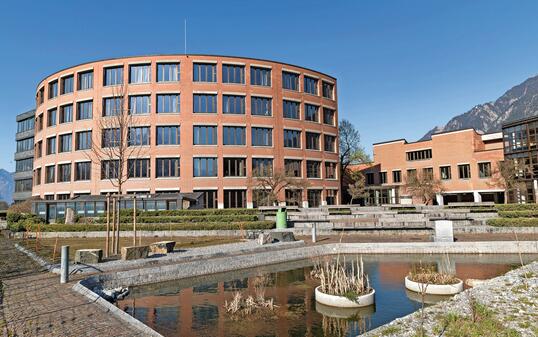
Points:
(202, 122)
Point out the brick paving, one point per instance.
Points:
(35, 304)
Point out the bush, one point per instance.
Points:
(517, 207)
(190, 212)
(519, 214)
(17, 222)
(513, 222)
(159, 227)
(182, 219)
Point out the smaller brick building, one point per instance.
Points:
(464, 160)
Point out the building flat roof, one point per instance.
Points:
(487, 136)
(520, 121)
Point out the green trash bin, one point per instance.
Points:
(282, 218)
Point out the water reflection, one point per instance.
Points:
(195, 307)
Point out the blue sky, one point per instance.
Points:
(402, 66)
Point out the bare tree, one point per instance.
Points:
(423, 186)
(357, 187)
(273, 183)
(351, 152)
(510, 175)
(113, 144)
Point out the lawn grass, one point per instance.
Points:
(45, 247)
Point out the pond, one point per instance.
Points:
(195, 306)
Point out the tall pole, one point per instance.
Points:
(113, 225)
(134, 220)
(107, 238)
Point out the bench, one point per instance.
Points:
(355, 223)
(162, 247)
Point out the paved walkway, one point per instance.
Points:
(35, 304)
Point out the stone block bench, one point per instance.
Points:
(162, 247)
(355, 223)
(88, 256)
(134, 252)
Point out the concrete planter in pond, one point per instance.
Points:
(434, 289)
(344, 302)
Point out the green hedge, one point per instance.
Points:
(17, 222)
(191, 212)
(519, 214)
(513, 222)
(160, 227)
(517, 207)
(183, 219)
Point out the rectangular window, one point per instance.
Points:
(329, 143)
(138, 168)
(85, 80)
(66, 84)
(484, 170)
(293, 167)
(65, 143)
(113, 76)
(112, 106)
(290, 81)
(262, 136)
(24, 165)
(260, 76)
(294, 197)
(327, 89)
(51, 145)
(139, 104)
(328, 116)
(312, 141)
(38, 148)
(233, 135)
(261, 106)
(331, 197)
(53, 89)
(84, 110)
(110, 137)
(64, 173)
(139, 136)
(205, 135)
(168, 135)
(397, 176)
(204, 72)
(419, 155)
(445, 173)
(291, 109)
(235, 167)
(167, 72)
(292, 138)
(83, 170)
(26, 144)
(311, 112)
(204, 103)
(330, 170)
(313, 169)
(233, 104)
(25, 125)
(23, 185)
(314, 198)
(39, 122)
(110, 169)
(167, 167)
(262, 167)
(427, 172)
(66, 113)
(37, 176)
(233, 74)
(235, 198)
(140, 73)
(210, 198)
(370, 180)
(168, 103)
(51, 117)
(205, 167)
(310, 85)
(49, 175)
(382, 177)
(411, 174)
(83, 140)
(464, 171)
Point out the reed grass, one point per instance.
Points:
(341, 279)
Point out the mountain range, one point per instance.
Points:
(519, 102)
(7, 186)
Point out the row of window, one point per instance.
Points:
(25, 125)
(170, 135)
(445, 173)
(419, 155)
(170, 72)
(170, 167)
(170, 103)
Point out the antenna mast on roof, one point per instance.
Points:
(185, 36)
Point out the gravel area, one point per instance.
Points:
(512, 298)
